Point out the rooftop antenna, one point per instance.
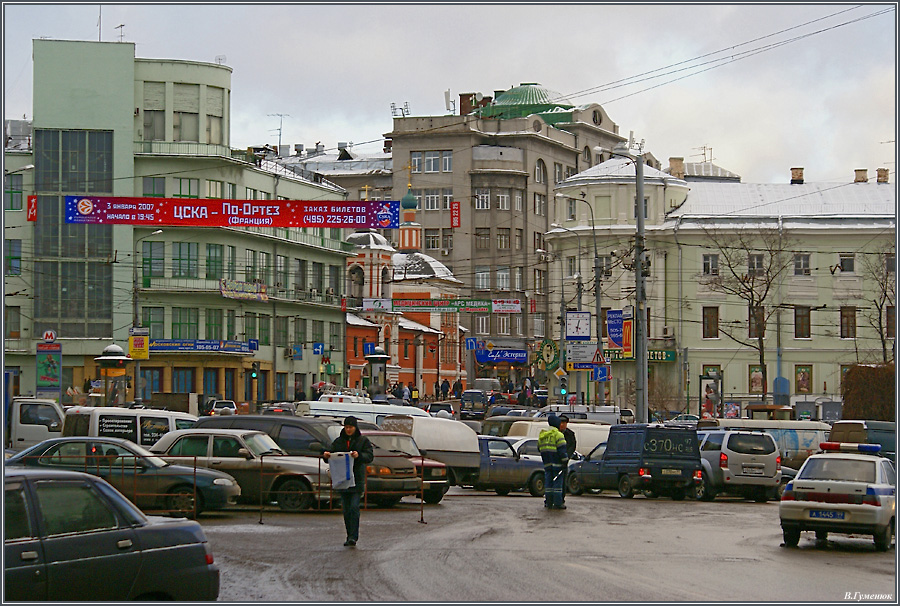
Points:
(280, 124)
(403, 111)
(220, 59)
(449, 103)
(705, 149)
(100, 24)
(121, 28)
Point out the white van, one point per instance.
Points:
(32, 420)
(373, 413)
(345, 398)
(587, 435)
(449, 441)
(607, 414)
(142, 426)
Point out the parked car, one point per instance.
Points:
(883, 433)
(388, 479)
(282, 408)
(847, 489)
(435, 407)
(151, 483)
(432, 472)
(540, 396)
(143, 426)
(503, 470)
(746, 463)
(220, 405)
(472, 404)
(648, 457)
(264, 472)
(71, 536)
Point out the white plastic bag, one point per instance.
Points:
(341, 466)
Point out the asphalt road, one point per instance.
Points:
(477, 546)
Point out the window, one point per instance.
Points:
(755, 265)
(540, 280)
(518, 197)
(538, 240)
(539, 321)
(215, 269)
(334, 336)
(801, 264)
(13, 192)
(801, 322)
(185, 259)
(214, 324)
(447, 161)
(847, 262)
(890, 263)
(299, 331)
(757, 322)
(249, 325)
(503, 324)
(540, 205)
(13, 322)
(482, 198)
(265, 329)
(571, 209)
(446, 197)
(12, 262)
(646, 205)
(231, 326)
(503, 200)
(432, 199)
(710, 322)
(154, 187)
(154, 319)
(214, 189)
(848, 322)
(483, 238)
(250, 266)
(520, 238)
(447, 239)
(264, 275)
(482, 278)
(502, 278)
(318, 331)
(517, 324)
(518, 277)
(185, 323)
(187, 188)
(432, 239)
(58, 501)
(250, 194)
(185, 126)
(432, 162)
(281, 271)
(571, 266)
(415, 161)
(710, 265)
(890, 321)
(586, 155)
(483, 324)
(503, 238)
(557, 172)
(154, 259)
(318, 276)
(540, 172)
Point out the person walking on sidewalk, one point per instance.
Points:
(362, 453)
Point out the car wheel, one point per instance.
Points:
(703, 490)
(573, 485)
(883, 538)
(180, 502)
(651, 494)
(536, 485)
(293, 495)
(678, 494)
(433, 496)
(791, 536)
(762, 494)
(387, 502)
(502, 491)
(626, 490)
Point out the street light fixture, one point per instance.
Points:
(135, 320)
(640, 336)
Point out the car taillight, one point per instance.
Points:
(788, 494)
(778, 463)
(209, 555)
(698, 474)
(643, 471)
(723, 460)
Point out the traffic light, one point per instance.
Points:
(563, 385)
(254, 372)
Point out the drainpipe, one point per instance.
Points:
(682, 356)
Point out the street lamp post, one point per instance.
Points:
(598, 273)
(562, 308)
(579, 289)
(135, 319)
(640, 319)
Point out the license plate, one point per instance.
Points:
(671, 472)
(826, 515)
(754, 471)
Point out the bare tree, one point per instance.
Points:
(879, 270)
(751, 264)
(662, 396)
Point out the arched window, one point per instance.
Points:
(586, 155)
(357, 282)
(385, 283)
(540, 172)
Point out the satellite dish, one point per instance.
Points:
(478, 97)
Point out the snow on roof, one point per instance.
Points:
(354, 320)
(407, 324)
(370, 239)
(417, 266)
(618, 168)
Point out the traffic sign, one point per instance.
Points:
(471, 342)
(318, 349)
(601, 373)
(560, 373)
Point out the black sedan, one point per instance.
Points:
(70, 536)
(150, 482)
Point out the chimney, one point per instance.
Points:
(862, 176)
(676, 167)
(465, 103)
(882, 175)
(797, 176)
(298, 149)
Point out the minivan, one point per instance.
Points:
(142, 426)
(746, 463)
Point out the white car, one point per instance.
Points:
(848, 489)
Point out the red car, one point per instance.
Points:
(433, 473)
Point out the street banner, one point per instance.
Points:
(199, 346)
(506, 306)
(454, 214)
(139, 347)
(497, 306)
(628, 338)
(514, 356)
(614, 328)
(49, 366)
(160, 212)
(245, 291)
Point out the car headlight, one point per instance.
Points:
(223, 482)
(378, 470)
(439, 471)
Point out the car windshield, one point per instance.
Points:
(834, 468)
(403, 444)
(262, 443)
(751, 444)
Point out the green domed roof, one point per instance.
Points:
(408, 202)
(525, 99)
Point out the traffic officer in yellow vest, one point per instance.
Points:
(552, 444)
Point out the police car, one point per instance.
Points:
(846, 488)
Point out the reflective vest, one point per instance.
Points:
(552, 444)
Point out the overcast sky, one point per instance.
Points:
(825, 101)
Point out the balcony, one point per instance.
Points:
(187, 148)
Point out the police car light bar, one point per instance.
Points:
(850, 447)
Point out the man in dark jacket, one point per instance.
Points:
(360, 449)
(569, 435)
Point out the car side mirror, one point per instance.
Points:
(243, 452)
(316, 447)
(54, 425)
(423, 452)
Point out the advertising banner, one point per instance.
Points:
(159, 212)
(454, 214)
(497, 306)
(198, 345)
(247, 291)
(614, 328)
(139, 347)
(49, 366)
(514, 356)
(628, 338)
